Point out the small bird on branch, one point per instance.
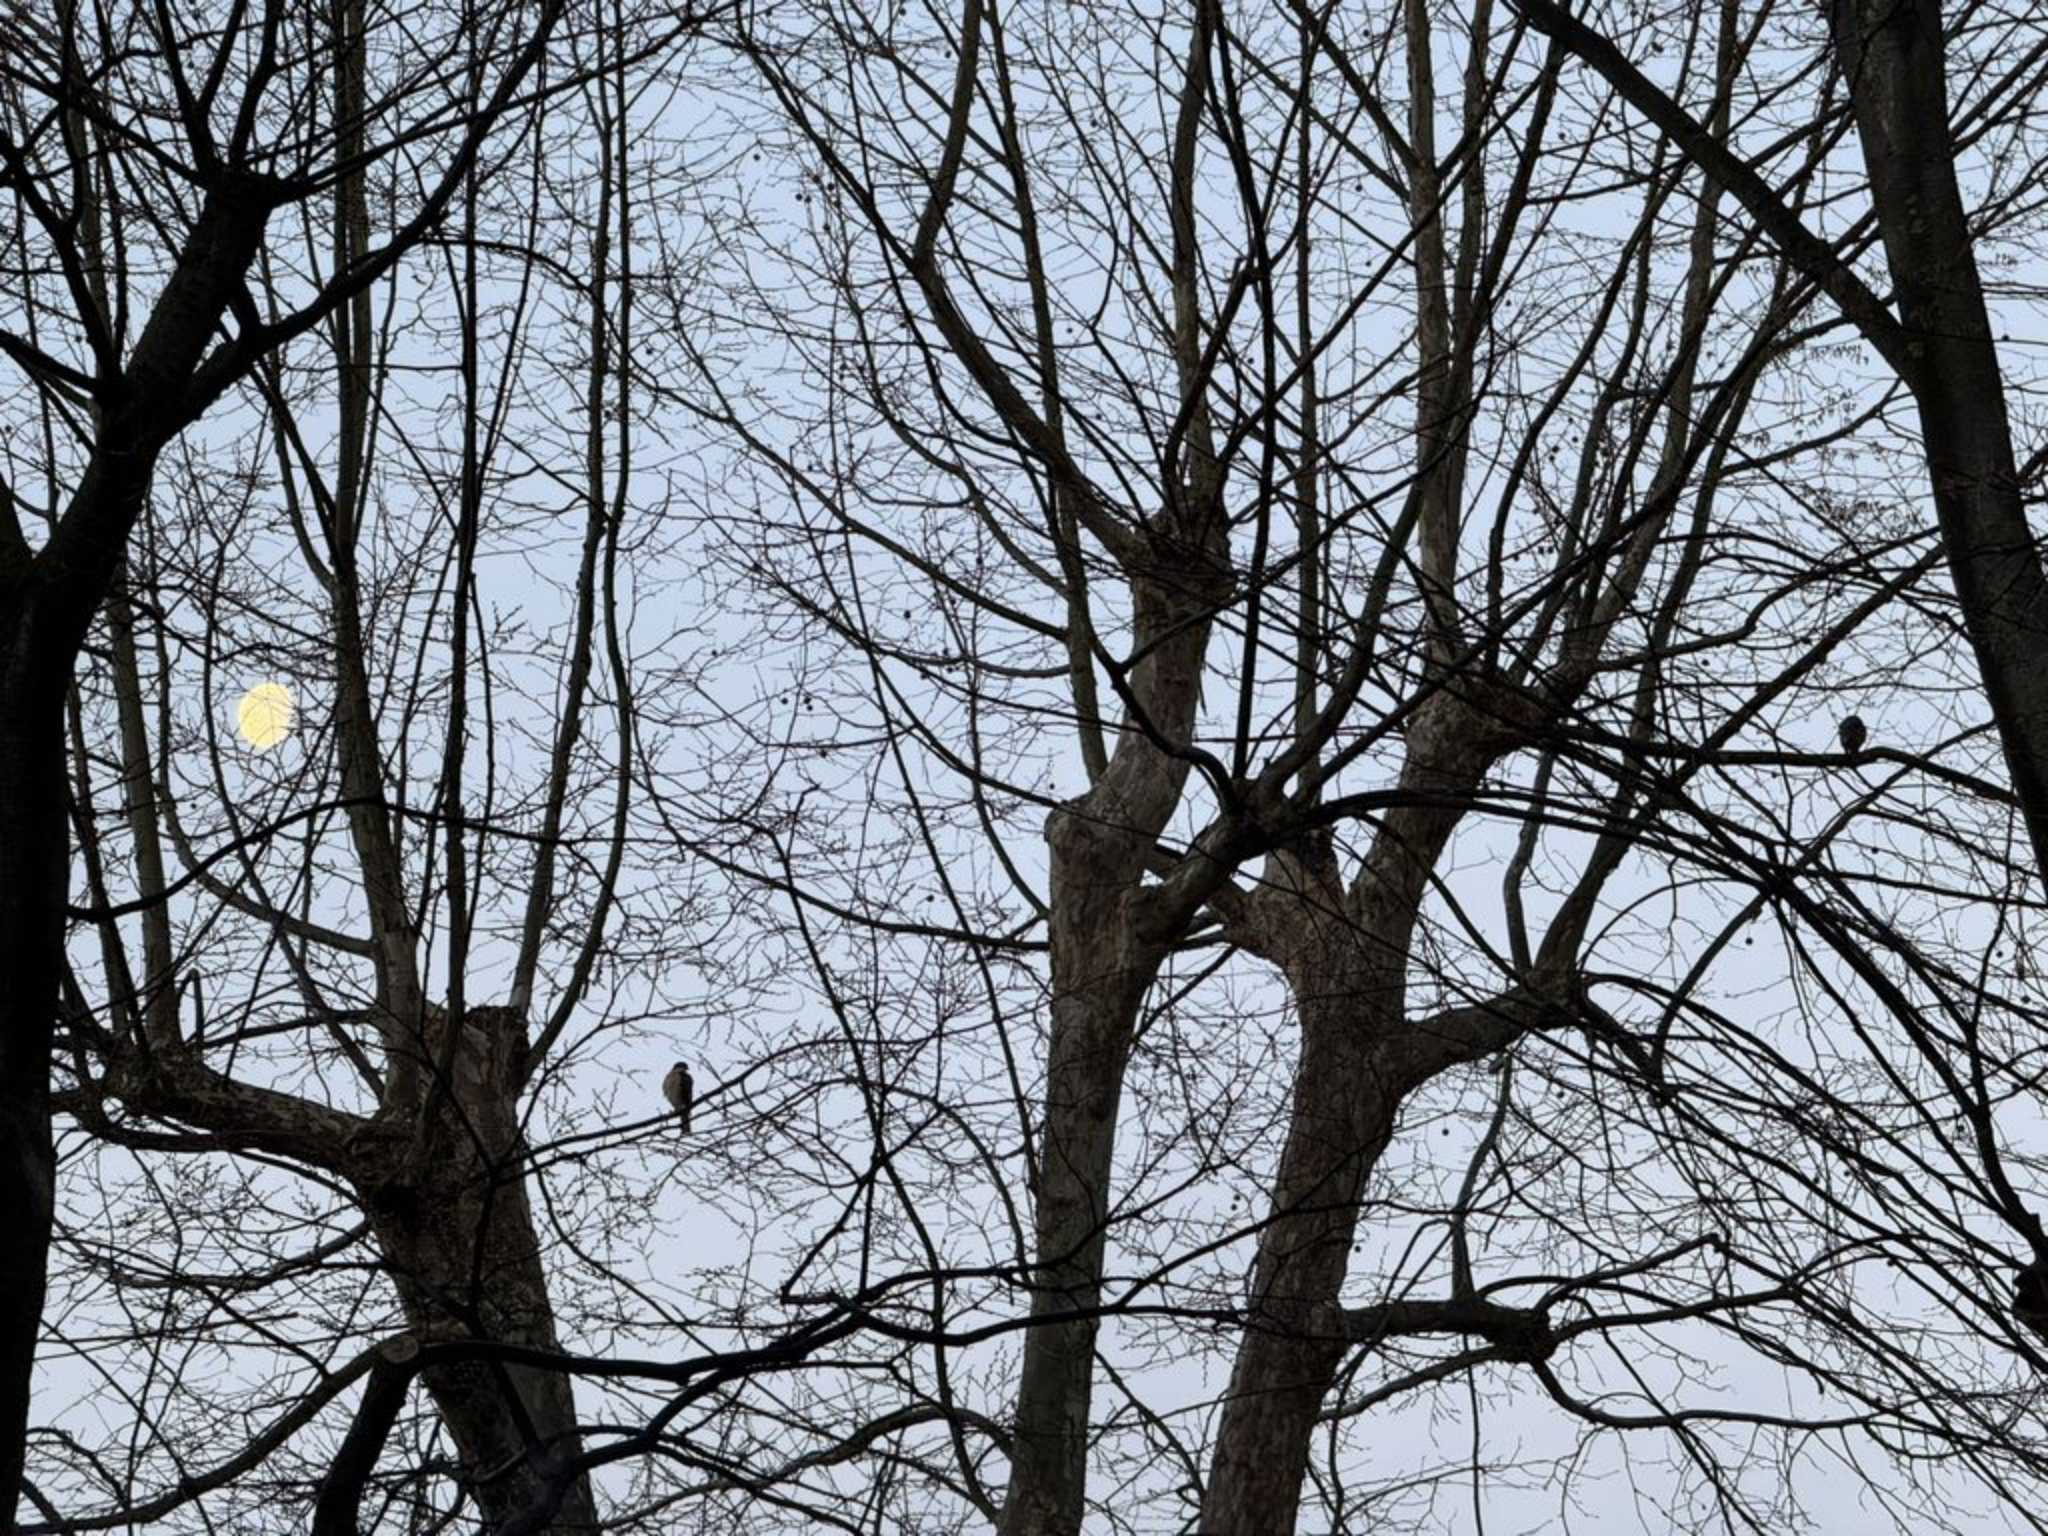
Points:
(1854, 734)
(680, 1092)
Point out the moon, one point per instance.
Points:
(264, 715)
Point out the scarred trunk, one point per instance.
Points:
(453, 1222)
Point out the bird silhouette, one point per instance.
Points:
(1854, 734)
(681, 1093)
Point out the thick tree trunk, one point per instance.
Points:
(1894, 62)
(1345, 955)
(33, 878)
(1099, 981)
(455, 1225)
(1104, 957)
(1343, 1117)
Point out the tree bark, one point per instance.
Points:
(1103, 960)
(453, 1221)
(1342, 1119)
(1345, 956)
(448, 1209)
(1106, 943)
(1099, 980)
(34, 870)
(1894, 61)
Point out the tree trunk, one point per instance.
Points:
(1099, 980)
(1342, 1119)
(47, 601)
(1345, 955)
(1104, 957)
(1893, 59)
(33, 885)
(456, 1228)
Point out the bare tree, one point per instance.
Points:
(1221, 440)
(190, 218)
(1940, 105)
(1220, 640)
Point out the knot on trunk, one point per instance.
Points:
(1312, 852)
(394, 1200)
(1093, 831)
(1474, 717)
(486, 1057)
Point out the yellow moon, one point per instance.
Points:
(264, 715)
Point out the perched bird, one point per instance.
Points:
(680, 1092)
(2030, 1298)
(1854, 734)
